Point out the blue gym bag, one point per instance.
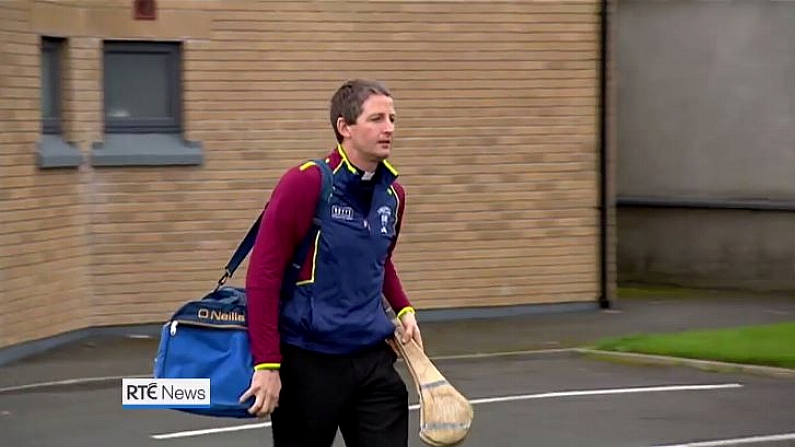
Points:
(208, 338)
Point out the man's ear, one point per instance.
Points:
(343, 128)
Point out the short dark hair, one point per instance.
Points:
(348, 99)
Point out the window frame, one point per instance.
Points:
(53, 46)
(169, 125)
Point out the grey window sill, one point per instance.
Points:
(53, 152)
(146, 150)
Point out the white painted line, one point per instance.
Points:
(485, 355)
(485, 400)
(211, 431)
(77, 381)
(651, 389)
(736, 441)
(85, 380)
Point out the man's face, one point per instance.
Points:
(372, 133)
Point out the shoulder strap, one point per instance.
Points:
(242, 251)
(248, 241)
(326, 189)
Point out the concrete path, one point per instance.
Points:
(133, 356)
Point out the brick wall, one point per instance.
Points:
(44, 251)
(496, 145)
(6, 31)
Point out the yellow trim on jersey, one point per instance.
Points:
(405, 310)
(314, 264)
(390, 167)
(345, 160)
(311, 279)
(267, 366)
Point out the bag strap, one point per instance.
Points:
(291, 275)
(251, 236)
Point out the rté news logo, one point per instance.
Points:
(145, 393)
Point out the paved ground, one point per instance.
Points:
(738, 406)
(603, 403)
(117, 357)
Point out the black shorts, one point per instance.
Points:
(360, 394)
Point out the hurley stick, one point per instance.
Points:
(445, 414)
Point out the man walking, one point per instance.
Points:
(322, 360)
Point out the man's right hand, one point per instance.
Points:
(265, 387)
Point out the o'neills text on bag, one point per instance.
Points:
(165, 393)
(221, 316)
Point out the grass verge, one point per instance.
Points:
(767, 345)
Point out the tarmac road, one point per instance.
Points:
(627, 414)
(743, 406)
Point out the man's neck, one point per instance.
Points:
(355, 158)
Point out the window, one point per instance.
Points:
(142, 83)
(142, 87)
(51, 54)
(51, 149)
